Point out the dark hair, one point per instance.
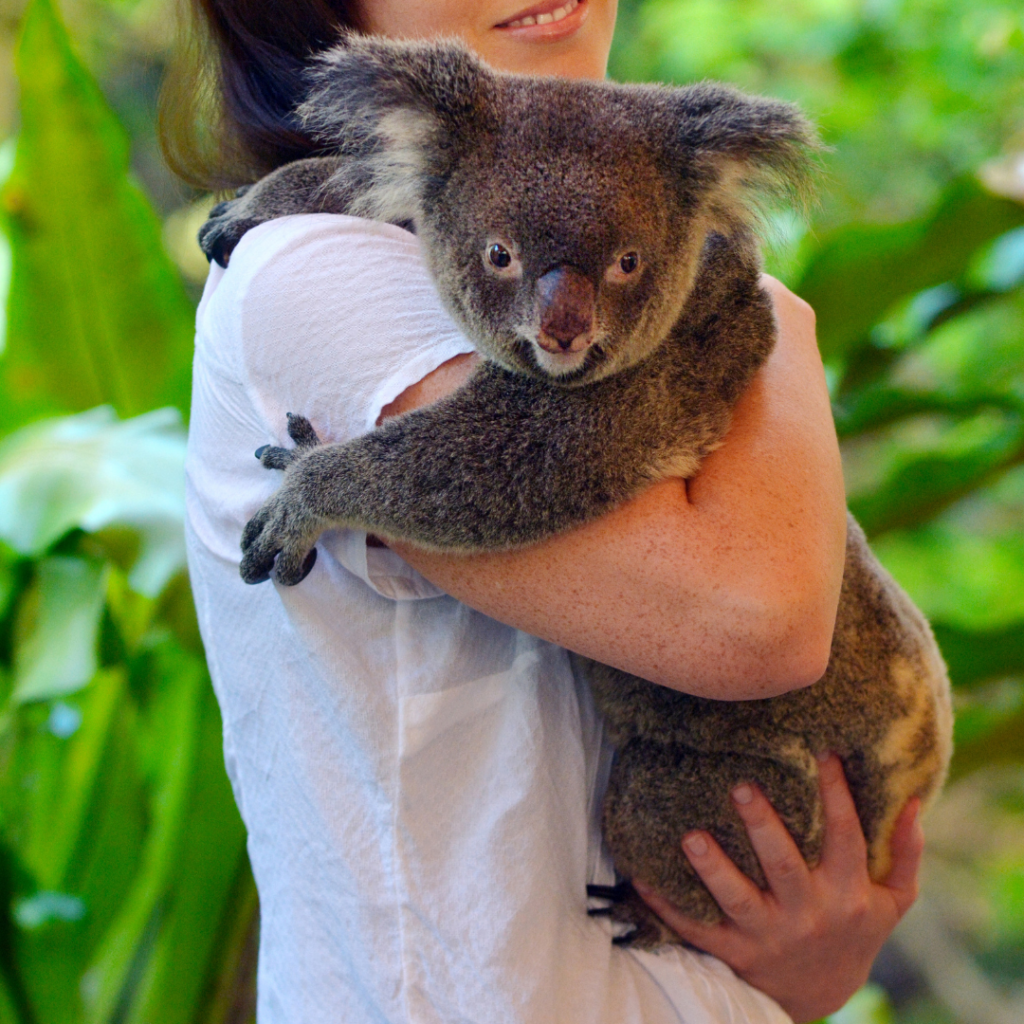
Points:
(227, 106)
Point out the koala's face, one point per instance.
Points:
(560, 245)
(563, 221)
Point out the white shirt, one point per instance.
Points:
(420, 783)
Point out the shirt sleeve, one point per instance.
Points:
(340, 317)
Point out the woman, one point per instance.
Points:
(420, 775)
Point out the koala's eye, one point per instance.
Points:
(499, 256)
(625, 266)
(500, 259)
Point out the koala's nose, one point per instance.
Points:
(565, 308)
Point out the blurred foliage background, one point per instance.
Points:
(125, 893)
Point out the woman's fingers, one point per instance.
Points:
(907, 847)
(715, 939)
(845, 852)
(810, 942)
(784, 867)
(740, 899)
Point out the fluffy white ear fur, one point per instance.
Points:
(398, 166)
(751, 153)
(744, 191)
(385, 103)
(728, 207)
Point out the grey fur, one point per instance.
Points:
(567, 177)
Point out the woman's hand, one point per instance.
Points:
(810, 940)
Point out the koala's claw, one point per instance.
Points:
(223, 230)
(301, 431)
(253, 578)
(279, 539)
(626, 908)
(258, 557)
(276, 543)
(272, 457)
(219, 209)
(614, 893)
(292, 568)
(254, 528)
(220, 234)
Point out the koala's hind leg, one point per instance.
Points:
(622, 903)
(657, 793)
(298, 187)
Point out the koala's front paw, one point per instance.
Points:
(301, 431)
(280, 537)
(224, 227)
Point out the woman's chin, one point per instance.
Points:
(572, 45)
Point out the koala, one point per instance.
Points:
(597, 243)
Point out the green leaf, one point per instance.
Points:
(8, 583)
(55, 653)
(200, 913)
(233, 980)
(104, 984)
(80, 832)
(44, 907)
(922, 486)
(869, 1005)
(971, 582)
(97, 312)
(980, 710)
(94, 472)
(1001, 265)
(15, 1007)
(882, 405)
(862, 270)
(1002, 745)
(976, 656)
(60, 806)
(1007, 900)
(8, 1006)
(6, 258)
(978, 351)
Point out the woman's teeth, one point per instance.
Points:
(545, 19)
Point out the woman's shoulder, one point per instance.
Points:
(330, 236)
(285, 260)
(318, 300)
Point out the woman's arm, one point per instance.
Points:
(726, 585)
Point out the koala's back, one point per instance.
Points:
(883, 706)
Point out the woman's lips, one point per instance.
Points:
(552, 19)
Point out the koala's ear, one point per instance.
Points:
(406, 108)
(746, 152)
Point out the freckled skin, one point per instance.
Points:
(520, 453)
